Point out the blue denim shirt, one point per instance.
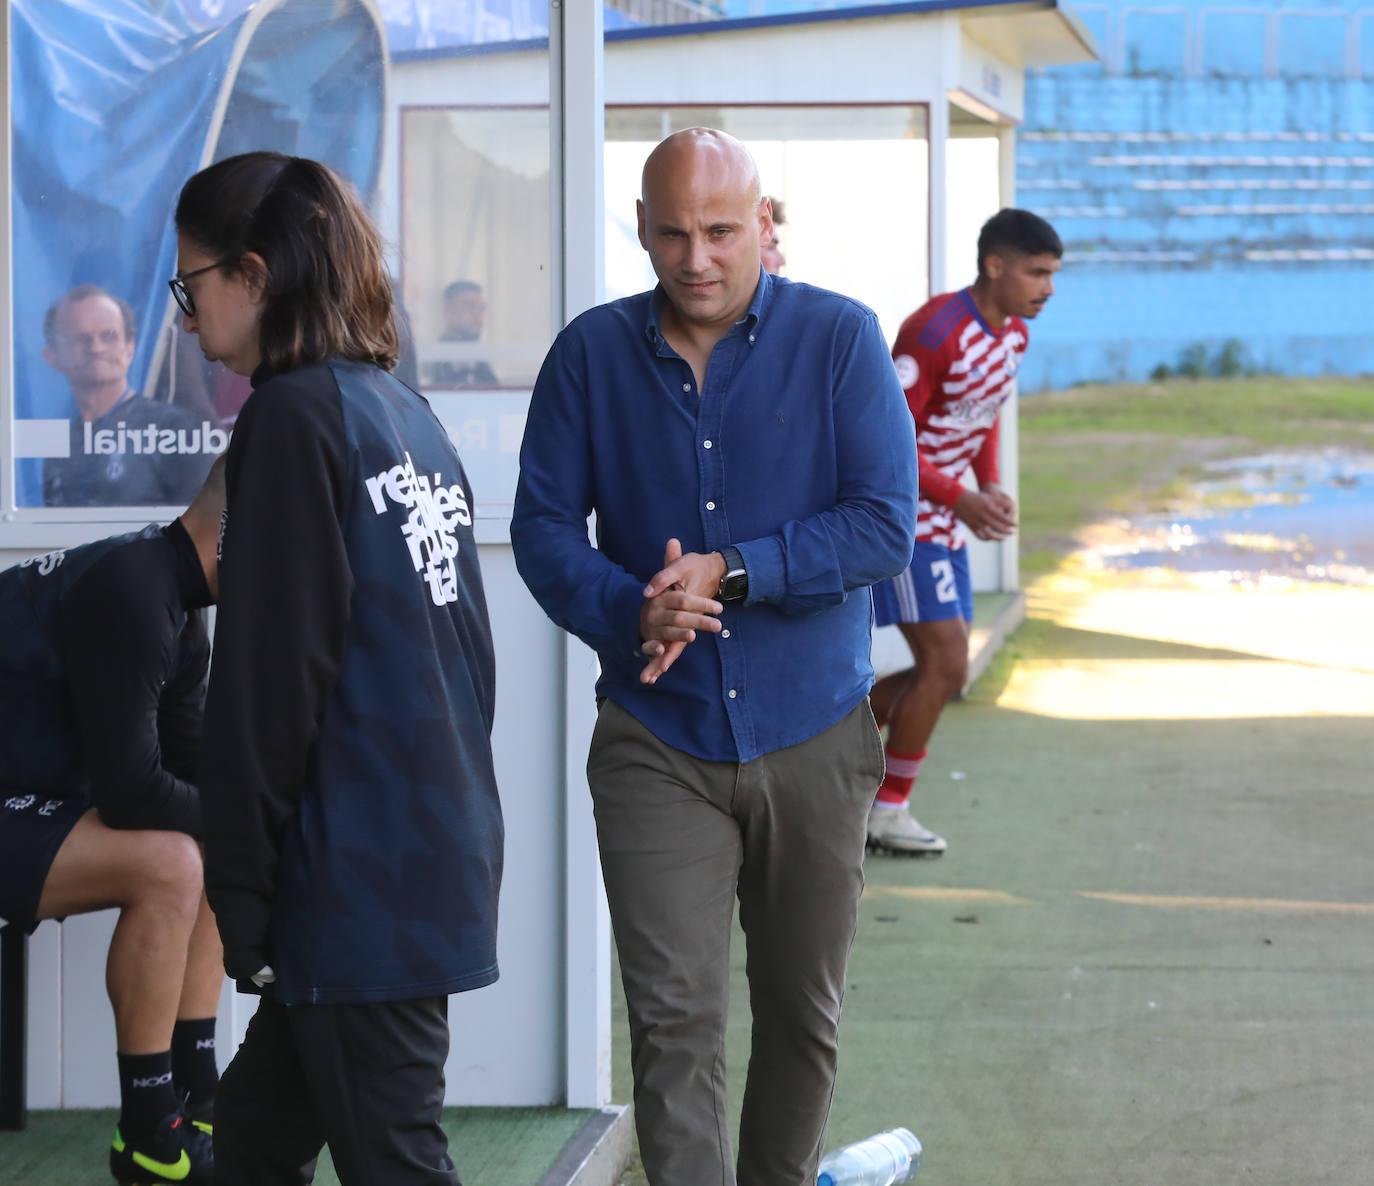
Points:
(799, 450)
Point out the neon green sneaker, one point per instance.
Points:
(177, 1151)
(202, 1115)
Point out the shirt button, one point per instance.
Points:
(725, 634)
(710, 506)
(686, 387)
(705, 444)
(732, 693)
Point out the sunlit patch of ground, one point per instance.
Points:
(1136, 689)
(1291, 608)
(1305, 515)
(1276, 618)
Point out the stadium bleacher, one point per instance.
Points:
(1213, 180)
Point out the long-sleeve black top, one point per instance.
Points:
(103, 662)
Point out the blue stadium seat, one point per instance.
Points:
(1232, 44)
(1312, 44)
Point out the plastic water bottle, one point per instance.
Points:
(881, 1160)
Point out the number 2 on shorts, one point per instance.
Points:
(943, 572)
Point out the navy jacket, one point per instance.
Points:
(353, 831)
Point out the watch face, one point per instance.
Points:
(734, 586)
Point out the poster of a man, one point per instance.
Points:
(125, 449)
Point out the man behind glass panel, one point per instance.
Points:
(465, 314)
(125, 450)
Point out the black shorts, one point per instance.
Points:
(32, 828)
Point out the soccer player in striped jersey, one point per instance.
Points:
(957, 357)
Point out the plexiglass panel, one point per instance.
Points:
(476, 251)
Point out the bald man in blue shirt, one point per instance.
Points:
(746, 448)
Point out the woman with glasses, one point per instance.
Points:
(353, 832)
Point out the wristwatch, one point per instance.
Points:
(734, 585)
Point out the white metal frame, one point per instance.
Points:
(576, 87)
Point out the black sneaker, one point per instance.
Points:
(202, 1116)
(176, 1151)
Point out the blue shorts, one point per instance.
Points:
(935, 588)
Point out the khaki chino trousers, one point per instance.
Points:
(680, 839)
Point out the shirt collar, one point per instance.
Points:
(763, 297)
(753, 315)
(967, 294)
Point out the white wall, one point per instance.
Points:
(856, 218)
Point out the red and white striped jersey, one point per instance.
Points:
(957, 374)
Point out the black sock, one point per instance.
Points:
(193, 1062)
(146, 1093)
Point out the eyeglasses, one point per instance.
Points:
(185, 301)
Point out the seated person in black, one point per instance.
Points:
(125, 450)
(103, 666)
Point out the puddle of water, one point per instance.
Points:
(1306, 516)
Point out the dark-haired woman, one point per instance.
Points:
(353, 831)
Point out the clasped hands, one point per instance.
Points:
(679, 600)
(990, 513)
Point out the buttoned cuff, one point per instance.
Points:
(767, 573)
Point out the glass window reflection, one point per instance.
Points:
(475, 243)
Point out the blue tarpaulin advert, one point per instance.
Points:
(115, 103)
(114, 106)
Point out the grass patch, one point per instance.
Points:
(1271, 411)
(1095, 452)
